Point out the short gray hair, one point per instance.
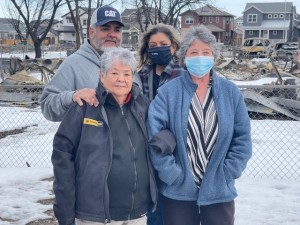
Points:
(201, 33)
(118, 54)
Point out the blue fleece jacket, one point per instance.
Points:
(169, 110)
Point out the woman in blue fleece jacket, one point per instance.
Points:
(199, 133)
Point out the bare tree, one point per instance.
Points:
(74, 12)
(162, 11)
(36, 14)
(15, 21)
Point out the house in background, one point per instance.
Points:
(238, 31)
(8, 34)
(219, 22)
(137, 21)
(297, 27)
(65, 28)
(274, 21)
(131, 31)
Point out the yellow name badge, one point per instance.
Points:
(92, 122)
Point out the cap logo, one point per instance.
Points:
(110, 13)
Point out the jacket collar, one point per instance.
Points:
(191, 86)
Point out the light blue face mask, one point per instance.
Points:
(199, 66)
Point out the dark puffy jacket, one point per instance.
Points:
(82, 158)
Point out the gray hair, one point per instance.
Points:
(198, 33)
(118, 54)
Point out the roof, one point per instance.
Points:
(42, 29)
(214, 28)
(66, 29)
(208, 10)
(127, 12)
(239, 18)
(271, 24)
(7, 26)
(130, 27)
(272, 7)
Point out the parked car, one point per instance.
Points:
(256, 47)
(284, 50)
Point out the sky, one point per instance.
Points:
(235, 7)
(260, 201)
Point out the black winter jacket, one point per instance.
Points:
(82, 158)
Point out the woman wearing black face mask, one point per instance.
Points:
(157, 58)
(158, 64)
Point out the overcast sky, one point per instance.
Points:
(235, 7)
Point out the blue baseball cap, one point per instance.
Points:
(106, 14)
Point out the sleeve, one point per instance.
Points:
(163, 142)
(165, 164)
(240, 149)
(57, 94)
(65, 144)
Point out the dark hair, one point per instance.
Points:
(168, 30)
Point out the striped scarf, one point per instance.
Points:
(202, 134)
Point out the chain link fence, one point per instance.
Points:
(26, 136)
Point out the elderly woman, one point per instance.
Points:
(100, 160)
(200, 138)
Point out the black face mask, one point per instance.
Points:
(160, 55)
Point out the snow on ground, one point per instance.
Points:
(261, 201)
(45, 54)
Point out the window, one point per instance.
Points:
(252, 18)
(145, 21)
(226, 36)
(133, 18)
(210, 19)
(275, 16)
(84, 35)
(189, 19)
(69, 20)
(125, 20)
(217, 19)
(203, 19)
(250, 32)
(281, 16)
(274, 32)
(269, 16)
(227, 20)
(84, 22)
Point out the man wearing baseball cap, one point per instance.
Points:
(77, 77)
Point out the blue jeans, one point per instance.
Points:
(155, 218)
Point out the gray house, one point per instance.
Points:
(296, 33)
(131, 31)
(275, 21)
(8, 34)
